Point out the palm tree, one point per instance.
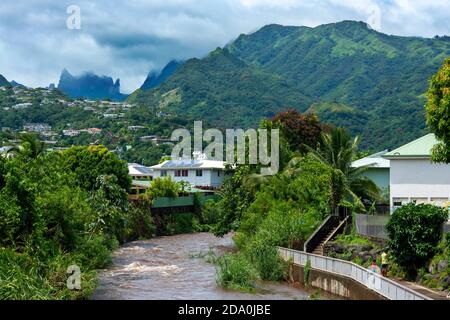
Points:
(29, 145)
(337, 149)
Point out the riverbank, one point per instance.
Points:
(176, 267)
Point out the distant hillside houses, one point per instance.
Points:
(74, 133)
(37, 127)
(21, 106)
(156, 139)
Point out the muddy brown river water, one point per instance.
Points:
(176, 268)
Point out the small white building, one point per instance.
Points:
(415, 178)
(199, 172)
(377, 169)
(139, 172)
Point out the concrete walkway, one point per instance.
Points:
(433, 294)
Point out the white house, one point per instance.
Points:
(199, 172)
(139, 172)
(414, 178)
(377, 169)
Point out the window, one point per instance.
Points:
(163, 173)
(419, 200)
(218, 173)
(398, 202)
(181, 173)
(439, 201)
(199, 173)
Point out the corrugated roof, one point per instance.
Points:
(137, 169)
(375, 160)
(189, 164)
(420, 148)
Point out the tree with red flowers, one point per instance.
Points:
(298, 129)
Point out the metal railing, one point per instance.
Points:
(318, 236)
(373, 281)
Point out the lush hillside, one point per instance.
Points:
(3, 81)
(341, 115)
(155, 79)
(381, 77)
(119, 126)
(223, 90)
(91, 86)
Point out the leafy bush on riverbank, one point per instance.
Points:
(437, 274)
(286, 210)
(235, 272)
(414, 234)
(56, 210)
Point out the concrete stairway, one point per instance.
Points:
(319, 249)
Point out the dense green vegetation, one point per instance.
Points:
(222, 90)
(53, 108)
(337, 149)
(60, 209)
(378, 81)
(285, 209)
(414, 233)
(438, 112)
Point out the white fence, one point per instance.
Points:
(385, 287)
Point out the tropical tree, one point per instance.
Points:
(338, 149)
(29, 146)
(414, 233)
(298, 129)
(89, 163)
(438, 112)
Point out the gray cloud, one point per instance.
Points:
(128, 39)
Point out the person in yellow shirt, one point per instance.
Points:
(384, 264)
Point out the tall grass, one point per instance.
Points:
(235, 272)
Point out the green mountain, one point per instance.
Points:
(380, 78)
(341, 115)
(91, 86)
(3, 81)
(223, 90)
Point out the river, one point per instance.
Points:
(175, 267)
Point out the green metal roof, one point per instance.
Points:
(420, 148)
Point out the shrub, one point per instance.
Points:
(235, 272)
(96, 251)
(209, 212)
(164, 187)
(140, 223)
(414, 232)
(267, 261)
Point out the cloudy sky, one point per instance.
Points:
(128, 39)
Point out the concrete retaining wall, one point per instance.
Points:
(335, 284)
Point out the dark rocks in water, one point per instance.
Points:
(91, 86)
